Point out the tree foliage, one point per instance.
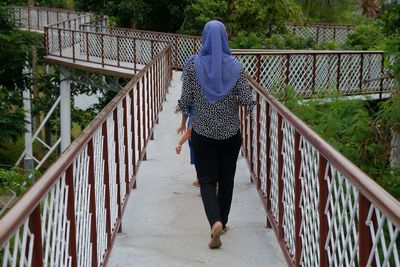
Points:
(15, 55)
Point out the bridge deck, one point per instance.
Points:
(164, 222)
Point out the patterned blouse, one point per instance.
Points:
(219, 120)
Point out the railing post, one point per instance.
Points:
(134, 55)
(69, 181)
(102, 50)
(144, 117)
(258, 68)
(35, 226)
(287, 69)
(338, 74)
(125, 124)
(314, 67)
(117, 167)
(382, 73)
(323, 221)
(280, 179)
(87, 46)
(59, 42)
(258, 129)
(118, 57)
(107, 184)
(148, 103)
(73, 46)
(131, 94)
(297, 199)
(361, 71)
(365, 242)
(268, 159)
(92, 205)
(139, 127)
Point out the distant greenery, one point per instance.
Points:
(360, 130)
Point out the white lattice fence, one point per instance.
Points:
(70, 216)
(325, 211)
(309, 73)
(321, 33)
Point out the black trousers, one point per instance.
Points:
(216, 163)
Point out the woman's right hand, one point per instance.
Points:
(178, 149)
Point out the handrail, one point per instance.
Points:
(146, 93)
(323, 209)
(386, 202)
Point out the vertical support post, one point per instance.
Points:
(268, 159)
(92, 205)
(69, 181)
(65, 110)
(361, 71)
(144, 117)
(280, 178)
(338, 74)
(297, 199)
(287, 69)
(365, 243)
(382, 73)
(59, 42)
(87, 46)
(118, 57)
(314, 67)
(258, 68)
(258, 128)
(132, 122)
(125, 123)
(102, 50)
(35, 227)
(323, 220)
(28, 160)
(139, 129)
(107, 184)
(73, 46)
(118, 177)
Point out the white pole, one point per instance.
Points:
(65, 110)
(28, 160)
(395, 153)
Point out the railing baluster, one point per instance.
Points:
(280, 179)
(107, 185)
(297, 199)
(35, 226)
(92, 205)
(69, 181)
(323, 221)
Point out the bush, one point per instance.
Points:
(366, 36)
(13, 180)
(288, 41)
(246, 40)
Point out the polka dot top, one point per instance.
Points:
(219, 120)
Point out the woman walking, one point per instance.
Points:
(214, 83)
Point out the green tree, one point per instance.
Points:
(15, 55)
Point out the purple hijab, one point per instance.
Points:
(216, 69)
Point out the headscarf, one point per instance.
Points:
(216, 69)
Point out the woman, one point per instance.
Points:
(214, 83)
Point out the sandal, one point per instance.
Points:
(215, 241)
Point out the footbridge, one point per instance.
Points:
(117, 195)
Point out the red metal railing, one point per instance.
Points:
(71, 215)
(101, 48)
(322, 32)
(310, 72)
(323, 209)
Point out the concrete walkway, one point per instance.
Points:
(165, 223)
